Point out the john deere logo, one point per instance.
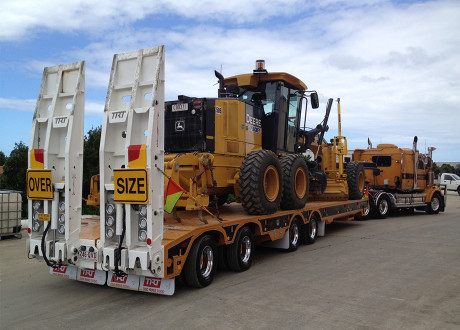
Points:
(180, 126)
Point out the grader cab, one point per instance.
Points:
(246, 142)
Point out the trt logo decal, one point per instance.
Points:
(152, 282)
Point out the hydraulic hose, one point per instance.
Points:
(118, 250)
(51, 263)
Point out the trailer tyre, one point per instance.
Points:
(260, 183)
(382, 209)
(294, 235)
(434, 206)
(240, 253)
(295, 182)
(355, 180)
(310, 230)
(201, 264)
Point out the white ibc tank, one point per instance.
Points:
(10, 212)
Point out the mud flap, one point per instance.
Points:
(128, 282)
(157, 285)
(69, 272)
(92, 276)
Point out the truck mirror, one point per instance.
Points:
(314, 100)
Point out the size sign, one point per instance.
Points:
(39, 184)
(131, 185)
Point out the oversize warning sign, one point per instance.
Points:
(39, 184)
(131, 185)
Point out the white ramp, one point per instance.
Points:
(132, 148)
(55, 164)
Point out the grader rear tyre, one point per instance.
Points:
(295, 182)
(260, 182)
(355, 180)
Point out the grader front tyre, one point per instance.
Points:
(355, 180)
(295, 182)
(260, 182)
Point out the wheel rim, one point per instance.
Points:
(271, 183)
(206, 261)
(383, 206)
(300, 183)
(366, 213)
(312, 227)
(435, 203)
(294, 233)
(245, 249)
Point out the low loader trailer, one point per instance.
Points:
(136, 243)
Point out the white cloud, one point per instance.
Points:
(395, 67)
(91, 107)
(15, 104)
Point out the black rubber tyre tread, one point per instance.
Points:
(376, 212)
(458, 190)
(293, 246)
(251, 186)
(192, 274)
(289, 165)
(429, 208)
(306, 236)
(233, 251)
(353, 171)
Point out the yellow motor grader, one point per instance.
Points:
(249, 142)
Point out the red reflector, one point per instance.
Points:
(133, 152)
(38, 153)
(29, 230)
(149, 241)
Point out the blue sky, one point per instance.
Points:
(394, 64)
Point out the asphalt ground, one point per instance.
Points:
(397, 273)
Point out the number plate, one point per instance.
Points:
(180, 107)
(44, 217)
(131, 186)
(39, 184)
(87, 255)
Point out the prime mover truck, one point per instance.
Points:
(135, 244)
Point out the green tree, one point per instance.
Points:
(90, 163)
(14, 173)
(2, 158)
(457, 169)
(447, 168)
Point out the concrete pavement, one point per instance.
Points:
(400, 272)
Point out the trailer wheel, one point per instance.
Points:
(310, 230)
(240, 253)
(295, 182)
(366, 215)
(383, 207)
(355, 180)
(260, 182)
(294, 235)
(200, 266)
(434, 206)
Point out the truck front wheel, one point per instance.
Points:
(201, 263)
(382, 208)
(434, 206)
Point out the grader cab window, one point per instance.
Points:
(262, 96)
